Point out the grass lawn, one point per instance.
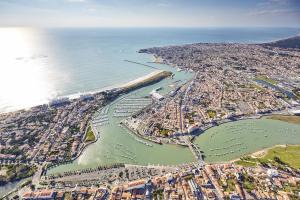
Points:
(289, 155)
(286, 118)
(89, 136)
(245, 163)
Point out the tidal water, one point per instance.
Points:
(232, 140)
(37, 65)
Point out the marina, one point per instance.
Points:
(118, 145)
(101, 119)
(127, 106)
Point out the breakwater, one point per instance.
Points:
(151, 78)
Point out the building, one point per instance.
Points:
(156, 95)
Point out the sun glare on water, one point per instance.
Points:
(24, 79)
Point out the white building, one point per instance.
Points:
(156, 95)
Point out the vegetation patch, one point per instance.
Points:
(158, 194)
(289, 155)
(257, 87)
(230, 185)
(211, 113)
(267, 79)
(248, 183)
(164, 132)
(280, 156)
(286, 118)
(89, 136)
(261, 105)
(11, 173)
(245, 163)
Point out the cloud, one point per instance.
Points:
(273, 3)
(79, 1)
(163, 5)
(90, 9)
(274, 11)
(275, 7)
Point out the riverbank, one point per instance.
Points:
(286, 118)
(230, 141)
(288, 155)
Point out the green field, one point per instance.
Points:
(246, 162)
(89, 136)
(278, 156)
(289, 155)
(286, 118)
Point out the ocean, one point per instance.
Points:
(38, 65)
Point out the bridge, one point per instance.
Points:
(195, 150)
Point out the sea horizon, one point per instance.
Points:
(61, 62)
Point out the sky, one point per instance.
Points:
(150, 13)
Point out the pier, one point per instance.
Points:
(101, 119)
(141, 64)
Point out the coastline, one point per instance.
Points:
(143, 81)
